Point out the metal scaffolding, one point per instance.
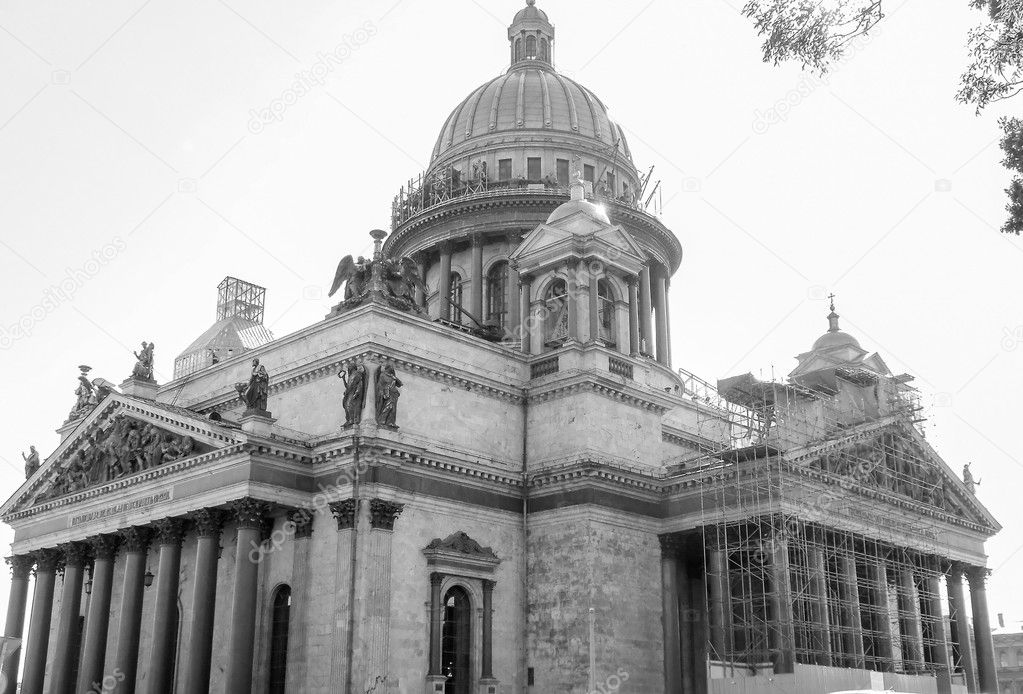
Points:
(796, 572)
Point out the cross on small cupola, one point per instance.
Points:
(832, 317)
(531, 36)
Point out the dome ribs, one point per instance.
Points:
(476, 97)
(520, 103)
(547, 121)
(573, 112)
(496, 103)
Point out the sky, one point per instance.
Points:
(136, 172)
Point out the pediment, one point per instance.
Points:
(121, 437)
(459, 553)
(578, 238)
(896, 460)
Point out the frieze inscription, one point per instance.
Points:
(117, 509)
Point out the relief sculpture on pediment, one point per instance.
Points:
(126, 447)
(891, 463)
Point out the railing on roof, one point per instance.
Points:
(426, 192)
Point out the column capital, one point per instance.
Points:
(345, 512)
(169, 531)
(436, 578)
(384, 513)
(104, 546)
(136, 539)
(303, 521)
(488, 585)
(250, 513)
(207, 522)
(977, 576)
(46, 559)
(74, 553)
(21, 565)
(476, 238)
(445, 246)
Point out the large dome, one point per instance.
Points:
(530, 96)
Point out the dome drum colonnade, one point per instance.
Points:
(502, 164)
(97, 555)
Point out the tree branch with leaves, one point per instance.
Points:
(817, 34)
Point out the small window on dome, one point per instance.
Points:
(545, 50)
(564, 177)
(533, 169)
(531, 47)
(504, 171)
(518, 50)
(589, 173)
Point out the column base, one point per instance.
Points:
(489, 686)
(435, 684)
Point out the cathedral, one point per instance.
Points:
(480, 473)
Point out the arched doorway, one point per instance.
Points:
(456, 642)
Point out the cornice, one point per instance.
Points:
(582, 382)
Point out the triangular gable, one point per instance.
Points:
(121, 437)
(617, 237)
(540, 238)
(893, 457)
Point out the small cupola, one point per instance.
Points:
(531, 36)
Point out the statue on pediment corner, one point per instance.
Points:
(31, 461)
(143, 369)
(969, 481)
(85, 394)
(354, 400)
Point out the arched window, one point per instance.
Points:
(545, 50)
(531, 47)
(556, 303)
(456, 297)
(497, 293)
(518, 49)
(279, 621)
(456, 642)
(606, 312)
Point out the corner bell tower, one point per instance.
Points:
(531, 36)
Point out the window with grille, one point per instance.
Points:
(606, 312)
(497, 293)
(456, 642)
(279, 621)
(531, 47)
(456, 298)
(556, 323)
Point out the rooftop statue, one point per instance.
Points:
(31, 461)
(143, 370)
(85, 394)
(390, 280)
(355, 392)
(257, 390)
(971, 484)
(387, 393)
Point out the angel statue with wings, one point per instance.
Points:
(399, 277)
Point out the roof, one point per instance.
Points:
(530, 97)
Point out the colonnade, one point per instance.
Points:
(132, 546)
(649, 312)
(835, 634)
